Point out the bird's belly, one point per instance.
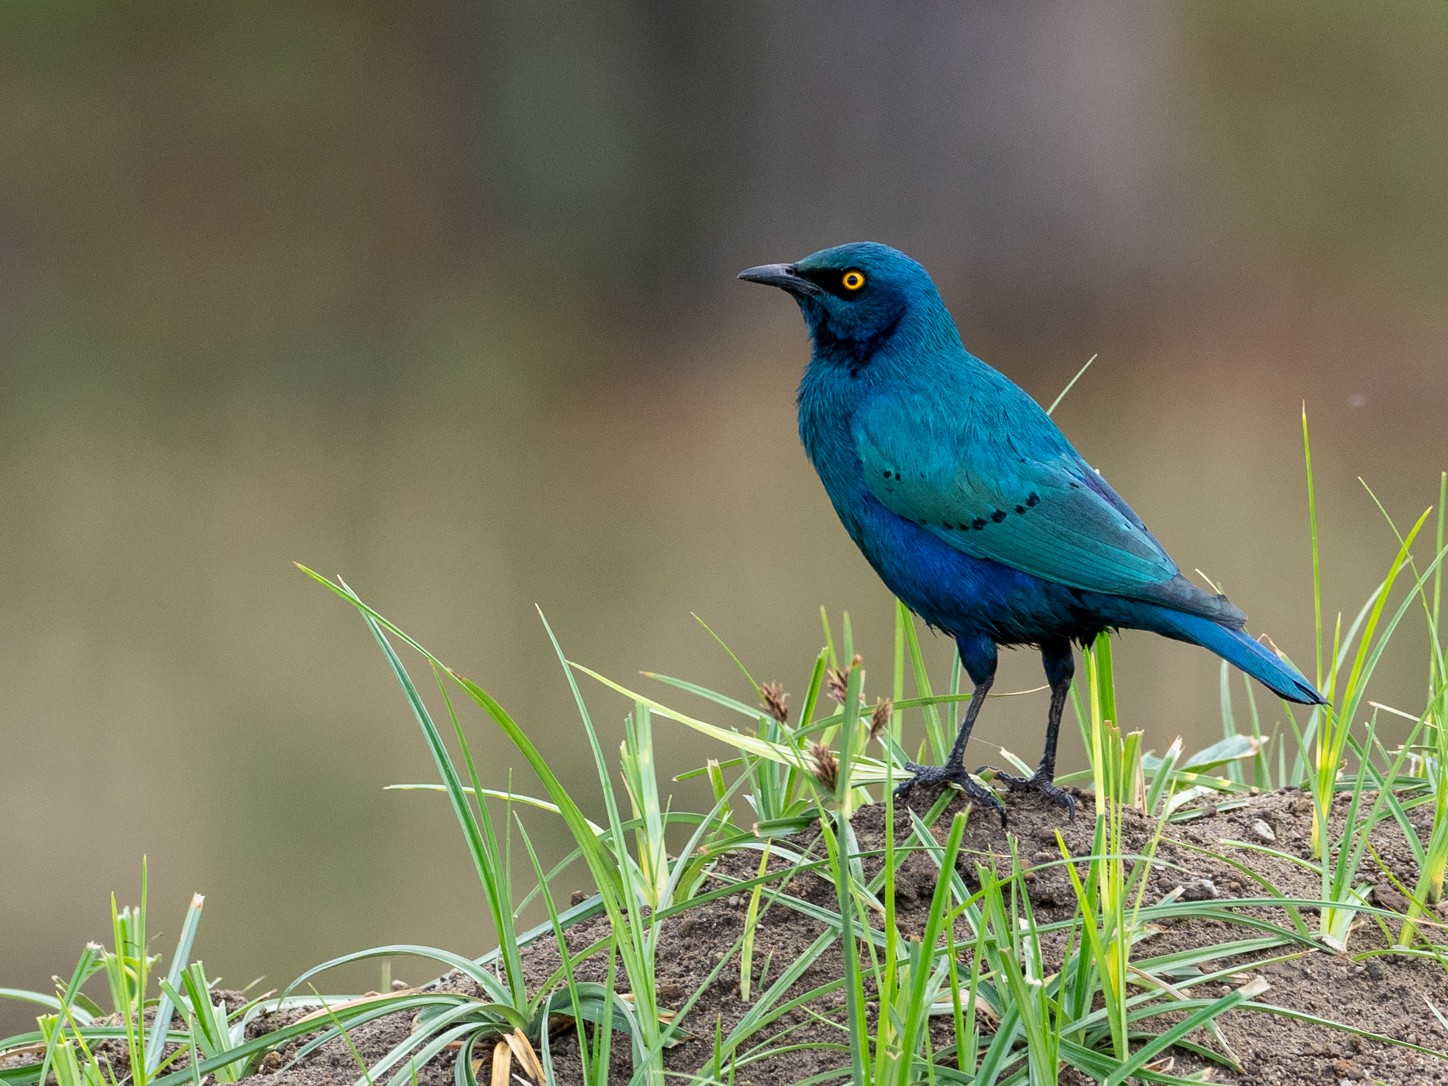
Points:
(962, 594)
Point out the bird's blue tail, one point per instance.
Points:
(1240, 650)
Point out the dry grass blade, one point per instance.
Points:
(502, 1064)
(330, 1010)
(522, 1048)
(665, 1015)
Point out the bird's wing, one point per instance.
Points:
(1008, 490)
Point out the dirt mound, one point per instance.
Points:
(1204, 859)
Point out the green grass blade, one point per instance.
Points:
(179, 961)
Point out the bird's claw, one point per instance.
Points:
(956, 775)
(1040, 781)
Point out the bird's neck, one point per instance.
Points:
(919, 333)
(827, 399)
(852, 353)
(922, 348)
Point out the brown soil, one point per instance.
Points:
(1385, 994)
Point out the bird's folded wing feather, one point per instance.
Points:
(991, 492)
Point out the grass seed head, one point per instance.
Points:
(837, 680)
(880, 718)
(826, 765)
(776, 701)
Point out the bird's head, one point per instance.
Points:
(856, 293)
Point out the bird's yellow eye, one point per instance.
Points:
(853, 280)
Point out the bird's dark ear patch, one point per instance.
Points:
(854, 352)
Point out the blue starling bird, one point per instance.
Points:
(970, 503)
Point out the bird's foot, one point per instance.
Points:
(956, 775)
(1040, 781)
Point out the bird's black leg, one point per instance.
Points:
(1060, 666)
(953, 770)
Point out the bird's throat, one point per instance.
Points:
(853, 353)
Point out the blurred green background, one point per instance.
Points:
(440, 296)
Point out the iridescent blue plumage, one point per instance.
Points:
(970, 503)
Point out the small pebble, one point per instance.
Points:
(1386, 897)
(1262, 830)
(1199, 890)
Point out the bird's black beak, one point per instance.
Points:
(782, 276)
